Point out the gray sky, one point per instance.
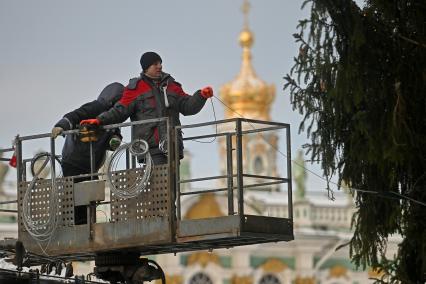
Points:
(56, 55)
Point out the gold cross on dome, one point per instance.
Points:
(245, 8)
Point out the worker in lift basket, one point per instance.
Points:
(154, 94)
(76, 153)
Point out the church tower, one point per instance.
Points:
(250, 97)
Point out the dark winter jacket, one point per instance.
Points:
(77, 153)
(145, 99)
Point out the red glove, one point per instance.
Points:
(207, 92)
(93, 121)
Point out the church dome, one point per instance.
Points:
(247, 94)
(206, 207)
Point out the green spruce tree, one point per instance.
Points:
(359, 80)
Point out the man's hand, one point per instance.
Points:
(207, 92)
(114, 142)
(93, 121)
(56, 131)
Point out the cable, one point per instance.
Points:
(163, 146)
(140, 149)
(214, 138)
(39, 156)
(330, 192)
(40, 230)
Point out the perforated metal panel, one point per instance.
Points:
(152, 202)
(66, 202)
(40, 201)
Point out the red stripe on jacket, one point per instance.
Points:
(156, 135)
(176, 88)
(130, 95)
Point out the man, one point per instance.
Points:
(75, 153)
(154, 94)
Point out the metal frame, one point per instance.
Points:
(170, 233)
(7, 150)
(102, 236)
(235, 228)
(238, 133)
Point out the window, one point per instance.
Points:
(269, 279)
(258, 165)
(200, 278)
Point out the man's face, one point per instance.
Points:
(154, 71)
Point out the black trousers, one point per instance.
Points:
(69, 170)
(157, 158)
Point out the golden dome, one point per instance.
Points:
(247, 95)
(274, 265)
(203, 258)
(206, 207)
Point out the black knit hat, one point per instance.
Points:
(149, 58)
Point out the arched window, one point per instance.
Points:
(258, 165)
(200, 278)
(269, 279)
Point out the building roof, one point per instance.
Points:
(316, 198)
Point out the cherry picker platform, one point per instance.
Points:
(149, 222)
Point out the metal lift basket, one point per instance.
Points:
(151, 223)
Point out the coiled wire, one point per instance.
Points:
(41, 231)
(138, 148)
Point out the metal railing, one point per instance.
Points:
(7, 202)
(22, 162)
(235, 174)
